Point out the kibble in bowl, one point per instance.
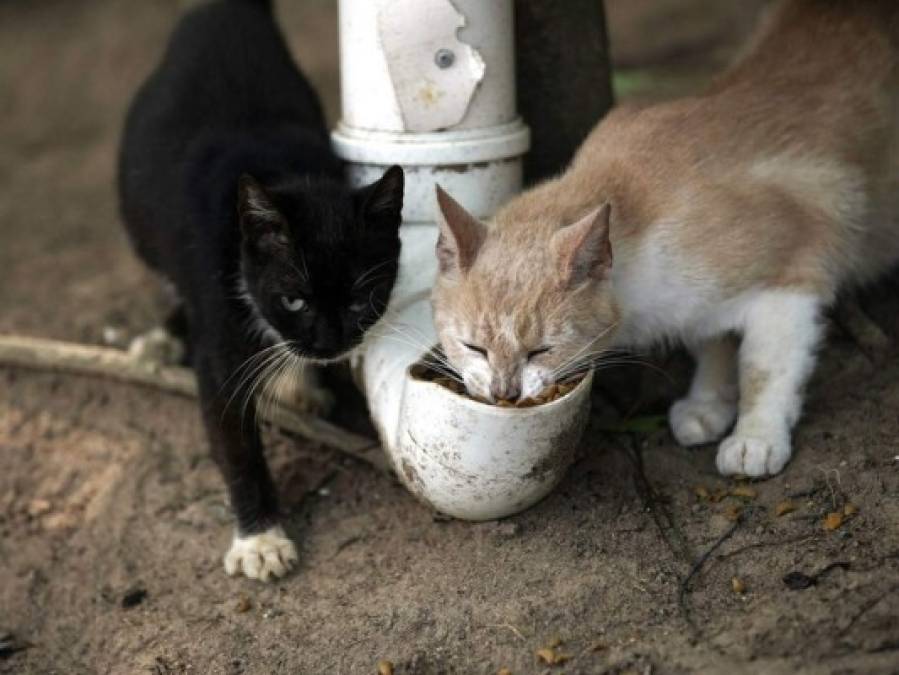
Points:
(424, 370)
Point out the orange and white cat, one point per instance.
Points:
(739, 213)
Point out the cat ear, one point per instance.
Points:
(384, 199)
(583, 250)
(461, 235)
(260, 221)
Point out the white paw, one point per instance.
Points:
(261, 556)
(157, 346)
(753, 455)
(694, 422)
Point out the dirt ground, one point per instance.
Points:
(113, 520)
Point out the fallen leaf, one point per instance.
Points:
(732, 512)
(554, 642)
(737, 584)
(551, 657)
(503, 671)
(833, 520)
(744, 491)
(784, 507)
(547, 655)
(243, 605)
(701, 492)
(850, 509)
(718, 495)
(385, 667)
(598, 646)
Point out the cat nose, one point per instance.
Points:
(505, 390)
(325, 338)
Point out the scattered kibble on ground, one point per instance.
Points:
(833, 520)
(784, 507)
(421, 371)
(738, 585)
(744, 491)
(732, 512)
(385, 667)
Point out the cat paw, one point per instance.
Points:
(694, 422)
(157, 346)
(745, 455)
(263, 556)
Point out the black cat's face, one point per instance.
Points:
(319, 260)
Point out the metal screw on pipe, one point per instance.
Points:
(444, 58)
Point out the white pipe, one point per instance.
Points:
(430, 85)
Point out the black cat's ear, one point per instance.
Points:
(583, 250)
(383, 203)
(260, 221)
(461, 235)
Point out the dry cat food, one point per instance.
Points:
(424, 371)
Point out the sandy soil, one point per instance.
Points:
(113, 520)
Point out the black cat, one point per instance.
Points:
(230, 189)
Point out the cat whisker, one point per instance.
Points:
(603, 362)
(587, 346)
(248, 362)
(264, 359)
(263, 380)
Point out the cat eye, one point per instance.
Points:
(533, 354)
(476, 349)
(293, 304)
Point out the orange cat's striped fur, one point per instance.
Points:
(740, 212)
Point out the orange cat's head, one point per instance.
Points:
(519, 306)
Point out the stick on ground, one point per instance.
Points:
(71, 358)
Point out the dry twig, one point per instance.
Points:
(70, 358)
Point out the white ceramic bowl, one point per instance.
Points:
(476, 461)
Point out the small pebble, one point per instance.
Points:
(38, 507)
(508, 528)
(133, 597)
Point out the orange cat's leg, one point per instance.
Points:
(709, 409)
(781, 332)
